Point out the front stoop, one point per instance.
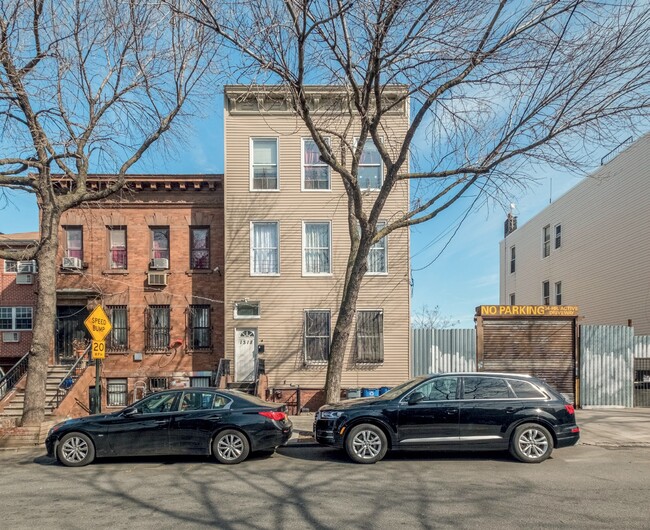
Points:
(24, 437)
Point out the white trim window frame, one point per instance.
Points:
(250, 303)
(316, 165)
(557, 236)
(513, 259)
(317, 336)
(369, 336)
(314, 260)
(546, 241)
(367, 161)
(16, 314)
(264, 252)
(378, 255)
(558, 293)
(13, 266)
(270, 164)
(546, 292)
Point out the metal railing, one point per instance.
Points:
(614, 152)
(15, 374)
(70, 378)
(222, 370)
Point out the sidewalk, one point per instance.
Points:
(612, 427)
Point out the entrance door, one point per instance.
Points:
(69, 326)
(245, 354)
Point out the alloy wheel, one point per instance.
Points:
(230, 447)
(75, 449)
(533, 443)
(366, 444)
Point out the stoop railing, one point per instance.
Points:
(15, 374)
(70, 378)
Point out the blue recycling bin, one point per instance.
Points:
(369, 392)
(383, 390)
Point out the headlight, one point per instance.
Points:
(330, 414)
(55, 428)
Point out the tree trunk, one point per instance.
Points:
(43, 333)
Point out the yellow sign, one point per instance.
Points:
(98, 349)
(528, 310)
(98, 324)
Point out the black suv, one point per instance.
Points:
(453, 411)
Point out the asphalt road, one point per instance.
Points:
(313, 487)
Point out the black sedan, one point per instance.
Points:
(193, 421)
(453, 411)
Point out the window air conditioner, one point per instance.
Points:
(24, 279)
(11, 336)
(159, 263)
(26, 266)
(157, 278)
(72, 263)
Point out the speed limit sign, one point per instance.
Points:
(98, 349)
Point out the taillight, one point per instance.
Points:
(570, 408)
(274, 415)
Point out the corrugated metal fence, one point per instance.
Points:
(642, 347)
(443, 350)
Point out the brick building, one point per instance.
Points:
(152, 256)
(17, 300)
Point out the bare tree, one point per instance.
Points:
(431, 318)
(493, 85)
(85, 84)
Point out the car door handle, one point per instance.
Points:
(161, 422)
(509, 410)
(452, 411)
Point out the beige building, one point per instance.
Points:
(286, 248)
(590, 248)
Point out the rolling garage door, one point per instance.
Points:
(544, 348)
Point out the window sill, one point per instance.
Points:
(369, 363)
(200, 350)
(317, 275)
(118, 272)
(377, 274)
(191, 272)
(315, 363)
(264, 275)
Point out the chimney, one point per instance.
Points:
(510, 225)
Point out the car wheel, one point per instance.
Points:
(531, 443)
(366, 444)
(75, 449)
(230, 447)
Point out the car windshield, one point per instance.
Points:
(404, 387)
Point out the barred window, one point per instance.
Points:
(116, 392)
(317, 336)
(370, 336)
(199, 327)
(158, 331)
(118, 340)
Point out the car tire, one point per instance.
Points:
(531, 443)
(366, 444)
(75, 449)
(230, 447)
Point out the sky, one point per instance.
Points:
(455, 270)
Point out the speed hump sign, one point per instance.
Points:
(98, 349)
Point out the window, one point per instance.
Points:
(265, 248)
(524, 389)
(316, 248)
(513, 258)
(264, 165)
(245, 309)
(558, 293)
(74, 242)
(558, 236)
(200, 381)
(197, 401)
(485, 388)
(160, 243)
(199, 327)
(118, 339)
(199, 248)
(546, 293)
(158, 328)
(371, 171)
(378, 255)
(11, 266)
(117, 247)
(116, 392)
(512, 299)
(317, 336)
(157, 403)
(546, 241)
(16, 318)
(439, 389)
(370, 337)
(315, 172)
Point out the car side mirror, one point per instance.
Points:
(415, 397)
(130, 411)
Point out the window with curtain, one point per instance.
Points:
(118, 339)
(370, 336)
(160, 242)
(317, 336)
(199, 327)
(378, 255)
(316, 248)
(371, 173)
(74, 242)
(199, 248)
(158, 328)
(316, 173)
(117, 247)
(264, 164)
(265, 248)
